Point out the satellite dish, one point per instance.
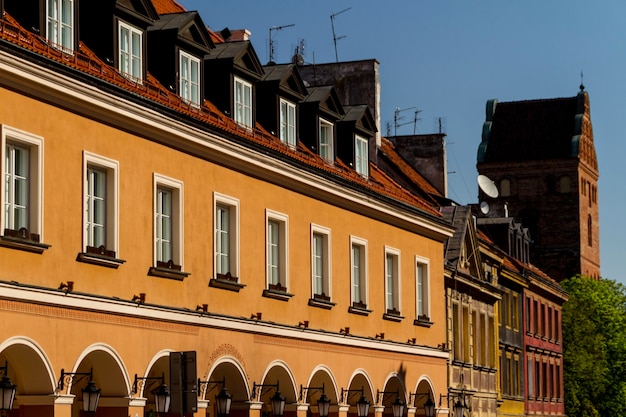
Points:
(487, 186)
(484, 207)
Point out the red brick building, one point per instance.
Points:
(541, 156)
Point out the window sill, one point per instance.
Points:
(100, 260)
(321, 302)
(422, 321)
(359, 309)
(226, 282)
(277, 292)
(393, 315)
(170, 273)
(23, 244)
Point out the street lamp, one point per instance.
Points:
(162, 396)
(429, 407)
(224, 401)
(277, 401)
(398, 407)
(323, 405)
(459, 407)
(7, 390)
(362, 405)
(91, 393)
(162, 399)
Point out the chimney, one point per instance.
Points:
(237, 35)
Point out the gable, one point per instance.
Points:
(141, 9)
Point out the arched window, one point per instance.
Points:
(505, 188)
(589, 231)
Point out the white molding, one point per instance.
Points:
(130, 309)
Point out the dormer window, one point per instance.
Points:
(288, 122)
(189, 78)
(60, 23)
(130, 61)
(326, 140)
(361, 160)
(243, 102)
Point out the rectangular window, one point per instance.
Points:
(514, 312)
(168, 223)
(130, 59)
(277, 254)
(60, 23)
(226, 220)
(358, 262)
(361, 156)
(189, 79)
(466, 334)
(531, 380)
(22, 214)
(327, 149)
(422, 289)
(288, 122)
(101, 205)
(243, 102)
(320, 262)
(392, 281)
(456, 332)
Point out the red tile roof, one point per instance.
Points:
(86, 61)
(168, 6)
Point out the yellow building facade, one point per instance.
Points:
(114, 314)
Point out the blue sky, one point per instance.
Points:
(447, 58)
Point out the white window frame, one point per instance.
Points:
(422, 289)
(287, 126)
(110, 168)
(395, 291)
(56, 26)
(363, 272)
(322, 276)
(130, 55)
(283, 247)
(242, 110)
(361, 156)
(34, 144)
(177, 190)
(232, 205)
(326, 148)
(187, 86)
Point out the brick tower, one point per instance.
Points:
(541, 156)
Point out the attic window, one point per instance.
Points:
(189, 78)
(60, 21)
(243, 102)
(288, 122)
(130, 61)
(361, 164)
(326, 141)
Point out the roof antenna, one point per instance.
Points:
(271, 62)
(335, 37)
(582, 86)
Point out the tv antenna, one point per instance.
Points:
(397, 117)
(439, 124)
(335, 37)
(275, 28)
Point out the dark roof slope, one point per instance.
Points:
(531, 130)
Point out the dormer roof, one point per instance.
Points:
(286, 77)
(141, 9)
(238, 55)
(361, 117)
(326, 98)
(189, 29)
